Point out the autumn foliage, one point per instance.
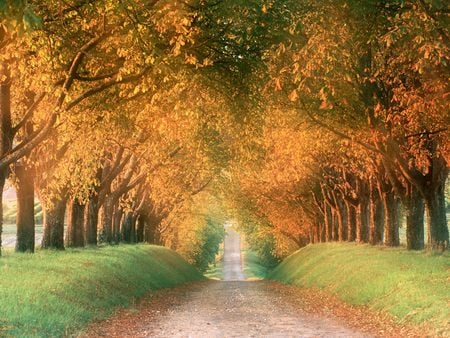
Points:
(306, 121)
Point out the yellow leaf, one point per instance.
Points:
(293, 96)
(277, 84)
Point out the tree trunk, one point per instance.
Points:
(53, 237)
(311, 234)
(152, 223)
(106, 220)
(437, 218)
(129, 227)
(365, 220)
(342, 220)
(140, 228)
(2, 185)
(414, 208)
(328, 219)
(335, 228)
(7, 135)
(376, 218)
(25, 209)
(362, 225)
(362, 212)
(91, 220)
(391, 224)
(376, 222)
(75, 225)
(117, 220)
(126, 227)
(351, 222)
(133, 237)
(322, 232)
(317, 232)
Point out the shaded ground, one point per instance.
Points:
(237, 308)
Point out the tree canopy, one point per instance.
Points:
(155, 120)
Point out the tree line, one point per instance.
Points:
(356, 130)
(101, 121)
(310, 121)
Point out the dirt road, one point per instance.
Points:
(231, 308)
(232, 260)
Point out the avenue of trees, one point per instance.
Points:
(308, 121)
(358, 131)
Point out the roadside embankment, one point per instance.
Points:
(54, 293)
(414, 287)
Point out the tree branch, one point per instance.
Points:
(28, 113)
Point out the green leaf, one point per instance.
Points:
(30, 20)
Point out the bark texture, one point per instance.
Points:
(25, 209)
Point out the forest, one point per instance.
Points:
(156, 120)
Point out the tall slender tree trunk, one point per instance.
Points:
(91, 220)
(322, 232)
(376, 218)
(129, 227)
(362, 222)
(53, 237)
(117, 220)
(133, 237)
(126, 227)
(317, 232)
(106, 220)
(328, 219)
(6, 131)
(376, 222)
(362, 213)
(335, 218)
(75, 224)
(141, 222)
(391, 224)
(25, 209)
(311, 235)
(351, 222)
(2, 185)
(342, 220)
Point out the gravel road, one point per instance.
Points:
(232, 260)
(230, 308)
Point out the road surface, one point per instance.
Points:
(230, 308)
(232, 260)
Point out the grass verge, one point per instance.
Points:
(414, 287)
(51, 293)
(253, 269)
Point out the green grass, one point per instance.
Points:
(53, 294)
(215, 271)
(253, 269)
(412, 286)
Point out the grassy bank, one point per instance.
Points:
(57, 293)
(412, 286)
(253, 269)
